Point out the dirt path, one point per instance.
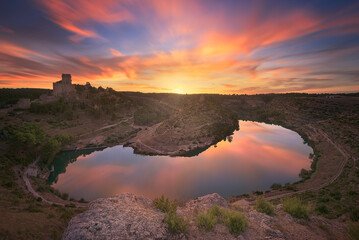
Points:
(37, 195)
(105, 127)
(33, 192)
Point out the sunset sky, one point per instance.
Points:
(182, 46)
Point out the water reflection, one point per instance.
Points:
(252, 159)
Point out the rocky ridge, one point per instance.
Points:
(127, 216)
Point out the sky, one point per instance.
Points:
(182, 46)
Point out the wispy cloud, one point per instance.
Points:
(195, 46)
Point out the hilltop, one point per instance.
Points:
(37, 124)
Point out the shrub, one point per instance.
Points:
(176, 224)
(322, 209)
(290, 187)
(295, 207)
(305, 174)
(258, 192)
(82, 200)
(65, 196)
(235, 221)
(206, 221)
(354, 214)
(164, 204)
(276, 186)
(264, 206)
(354, 231)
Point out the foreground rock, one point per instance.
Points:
(124, 216)
(127, 216)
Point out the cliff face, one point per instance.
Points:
(127, 216)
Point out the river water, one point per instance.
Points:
(253, 158)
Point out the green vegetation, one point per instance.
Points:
(276, 186)
(207, 219)
(53, 108)
(264, 206)
(176, 223)
(295, 207)
(148, 116)
(28, 210)
(33, 141)
(164, 204)
(234, 220)
(354, 230)
(11, 96)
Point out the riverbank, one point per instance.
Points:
(331, 123)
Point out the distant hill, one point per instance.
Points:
(12, 95)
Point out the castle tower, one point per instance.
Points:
(64, 87)
(66, 78)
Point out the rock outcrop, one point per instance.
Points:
(127, 216)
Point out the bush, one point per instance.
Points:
(295, 207)
(235, 221)
(82, 200)
(206, 221)
(354, 214)
(65, 196)
(49, 151)
(322, 209)
(290, 187)
(258, 192)
(276, 186)
(264, 206)
(164, 204)
(354, 231)
(176, 224)
(305, 174)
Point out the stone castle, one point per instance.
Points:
(64, 87)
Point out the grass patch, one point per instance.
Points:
(176, 223)
(165, 205)
(234, 220)
(295, 207)
(207, 220)
(264, 206)
(33, 209)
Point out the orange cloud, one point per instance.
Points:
(228, 85)
(75, 16)
(115, 52)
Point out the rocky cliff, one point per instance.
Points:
(127, 216)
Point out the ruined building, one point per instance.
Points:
(64, 87)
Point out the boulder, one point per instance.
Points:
(124, 216)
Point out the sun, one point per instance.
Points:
(179, 91)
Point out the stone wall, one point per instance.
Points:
(23, 103)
